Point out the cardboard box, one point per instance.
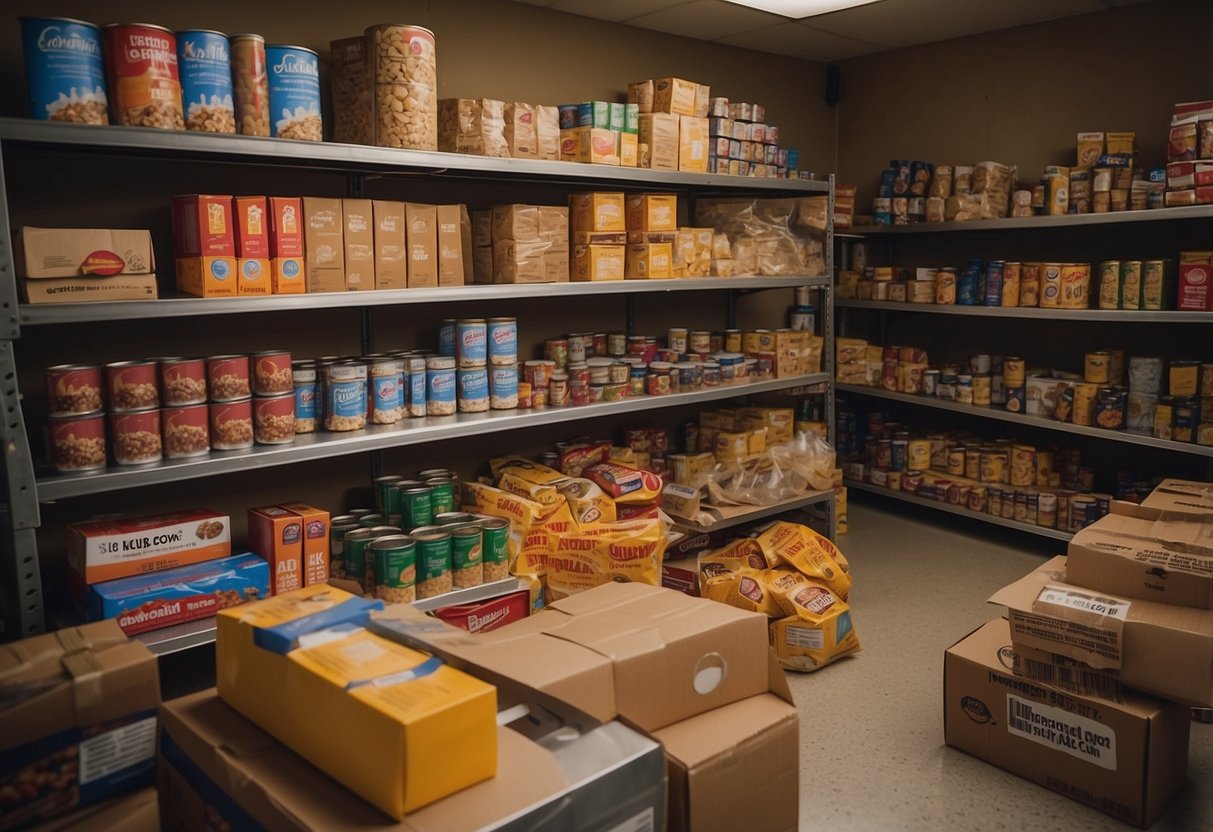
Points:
(161, 599)
(105, 550)
(252, 227)
(287, 276)
(465, 243)
(651, 212)
(736, 767)
(1157, 648)
(422, 224)
(596, 262)
(554, 225)
(486, 616)
(208, 277)
(1182, 497)
(597, 211)
(277, 535)
(648, 261)
(779, 422)
(81, 695)
(75, 252)
(1194, 291)
(286, 226)
(659, 133)
(202, 226)
(253, 276)
(1135, 552)
(79, 289)
(324, 244)
(450, 245)
(693, 144)
(519, 262)
(1128, 759)
(138, 811)
(515, 222)
(589, 145)
(358, 233)
(629, 149)
(674, 95)
(556, 266)
(641, 93)
(391, 247)
(482, 264)
(315, 541)
(482, 228)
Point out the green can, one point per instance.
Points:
(495, 548)
(360, 512)
(443, 494)
(1130, 284)
(416, 507)
(339, 526)
(368, 521)
(356, 546)
(395, 568)
(1153, 284)
(436, 473)
(453, 518)
(387, 499)
(368, 572)
(435, 548)
(467, 567)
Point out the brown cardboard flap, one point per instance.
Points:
(135, 812)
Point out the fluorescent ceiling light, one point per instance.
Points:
(800, 9)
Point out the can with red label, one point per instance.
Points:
(272, 373)
(274, 419)
(182, 381)
(135, 437)
(73, 389)
(186, 431)
(77, 443)
(131, 385)
(141, 75)
(227, 377)
(231, 424)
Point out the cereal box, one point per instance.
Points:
(277, 535)
(202, 226)
(315, 542)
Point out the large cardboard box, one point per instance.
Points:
(1157, 648)
(216, 768)
(138, 811)
(598, 262)
(652, 212)
(358, 226)
(515, 222)
(80, 289)
(450, 245)
(1136, 552)
(597, 211)
(391, 248)
(77, 252)
(422, 222)
(659, 134)
(208, 277)
(324, 245)
(315, 541)
(80, 704)
(519, 262)
(674, 95)
(1176, 496)
(1128, 759)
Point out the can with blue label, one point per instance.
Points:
(294, 81)
(385, 392)
(64, 71)
(204, 62)
(503, 387)
(415, 385)
(503, 341)
(345, 396)
(446, 337)
(967, 285)
(473, 390)
(440, 386)
(303, 377)
(470, 342)
(993, 290)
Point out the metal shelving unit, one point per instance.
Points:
(1189, 212)
(21, 603)
(1128, 436)
(1035, 312)
(749, 514)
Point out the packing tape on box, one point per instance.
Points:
(284, 637)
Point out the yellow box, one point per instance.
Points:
(651, 212)
(648, 261)
(417, 729)
(732, 446)
(628, 150)
(253, 276)
(674, 95)
(596, 211)
(693, 144)
(207, 277)
(779, 421)
(791, 352)
(589, 145)
(598, 263)
(756, 440)
(286, 276)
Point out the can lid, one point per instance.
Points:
(200, 32)
(246, 36)
(24, 18)
(393, 541)
(292, 47)
(138, 26)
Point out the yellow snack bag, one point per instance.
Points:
(522, 513)
(624, 456)
(818, 631)
(744, 553)
(586, 557)
(625, 484)
(745, 589)
(587, 502)
(544, 494)
(802, 549)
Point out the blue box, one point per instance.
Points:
(594, 114)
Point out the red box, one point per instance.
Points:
(315, 542)
(252, 227)
(202, 226)
(681, 576)
(286, 226)
(1204, 195)
(277, 535)
(488, 615)
(1194, 280)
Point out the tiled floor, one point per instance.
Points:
(872, 752)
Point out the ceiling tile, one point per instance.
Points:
(704, 19)
(613, 10)
(800, 41)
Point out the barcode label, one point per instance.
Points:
(810, 638)
(1094, 604)
(642, 822)
(1069, 676)
(1062, 731)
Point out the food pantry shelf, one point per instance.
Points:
(33, 315)
(737, 515)
(1123, 315)
(1128, 436)
(470, 595)
(319, 445)
(147, 142)
(1187, 212)
(954, 509)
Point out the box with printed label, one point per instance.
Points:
(693, 144)
(450, 246)
(486, 616)
(590, 145)
(77, 252)
(173, 596)
(287, 275)
(391, 249)
(674, 95)
(358, 230)
(285, 226)
(629, 149)
(681, 575)
(1127, 758)
(651, 212)
(315, 541)
(77, 289)
(208, 277)
(1161, 649)
(253, 276)
(1181, 497)
(277, 535)
(105, 550)
(659, 133)
(78, 724)
(597, 211)
(648, 261)
(324, 244)
(202, 226)
(252, 227)
(137, 811)
(519, 262)
(595, 262)
(422, 225)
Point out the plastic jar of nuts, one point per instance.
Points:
(405, 66)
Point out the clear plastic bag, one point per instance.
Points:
(782, 473)
(768, 236)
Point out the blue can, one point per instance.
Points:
(993, 290)
(345, 399)
(446, 338)
(473, 390)
(440, 394)
(503, 387)
(294, 82)
(205, 63)
(471, 347)
(63, 70)
(415, 383)
(568, 115)
(968, 284)
(385, 395)
(305, 401)
(503, 341)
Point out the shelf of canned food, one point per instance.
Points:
(1189, 212)
(69, 313)
(1137, 316)
(1134, 437)
(963, 511)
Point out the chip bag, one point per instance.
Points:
(594, 554)
(543, 494)
(817, 631)
(525, 468)
(625, 484)
(734, 557)
(575, 458)
(586, 501)
(523, 514)
(801, 548)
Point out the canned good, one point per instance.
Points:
(700, 341)
(1153, 283)
(304, 381)
(231, 424)
(502, 338)
(395, 568)
(204, 63)
(1084, 511)
(385, 393)
(676, 339)
(135, 437)
(579, 345)
(360, 512)
(141, 75)
(272, 372)
(956, 461)
(405, 71)
(453, 518)
(979, 496)
(494, 545)
(911, 481)
(442, 494)
(1013, 371)
(964, 388)
(440, 390)
(1095, 367)
(993, 466)
(1023, 465)
(182, 381)
(503, 387)
(417, 384)
(274, 419)
(467, 565)
(185, 431)
(1111, 409)
(250, 81)
(579, 372)
(993, 292)
(294, 93)
(416, 506)
(1109, 284)
(227, 377)
(473, 390)
(556, 350)
(972, 463)
(339, 527)
(471, 342)
(371, 519)
(1046, 510)
(558, 389)
(359, 562)
(1021, 507)
(538, 373)
(73, 389)
(131, 385)
(435, 551)
(447, 338)
(387, 497)
(77, 443)
(918, 456)
(982, 389)
(617, 343)
(345, 396)
(64, 73)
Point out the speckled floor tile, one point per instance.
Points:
(872, 751)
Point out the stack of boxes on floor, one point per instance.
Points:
(1086, 687)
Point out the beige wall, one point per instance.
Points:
(1019, 96)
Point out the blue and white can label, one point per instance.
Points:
(294, 81)
(470, 343)
(205, 63)
(64, 71)
(503, 341)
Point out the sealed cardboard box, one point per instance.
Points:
(597, 211)
(450, 245)
(465, 241)
(482, 264)
(252, 227)
(1176, 496)
(277, 535)
(208, 277)
(648, 261)
(556, 266)
(641, 93)
(651, 212)
(79, 289)
(422, 223)
(1126, 758)
(659, 134)
(589, 145)
(80, 705)
(324, 244)
(681, 575)
(1158, 648)
(554, 225)
(358, 228)
(202, 226)
(287, 275)
(629, 149)
(253, 276)
(76, 252)
(515, 222)
(391, 247)
(519, 262)
(315, 541)
(693, 144)
(674, 95)
(598, 262)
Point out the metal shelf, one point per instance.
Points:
(469, 596)
(1126, 436)
(1123, 315)
(52, 313)
(752, 513)
(954, 509)
(319, 445)
(1187, 212)
(147, 142)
